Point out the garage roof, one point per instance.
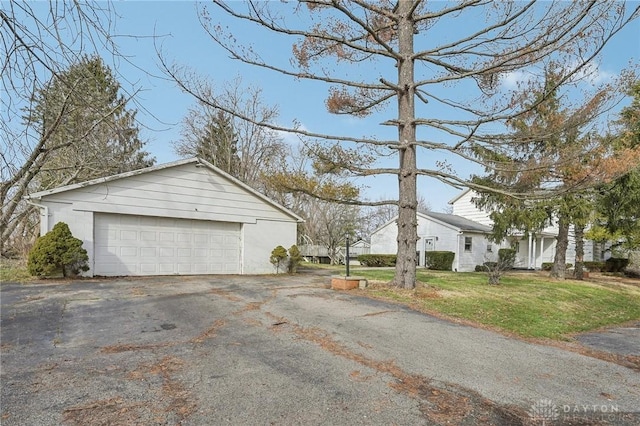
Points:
(195, 160)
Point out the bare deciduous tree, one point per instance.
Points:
(372, 218)
(258, 150)
(40, 41)
(327, 223)
(417, 55)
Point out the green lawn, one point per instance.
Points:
(528, 304)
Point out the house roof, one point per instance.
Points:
(453, 221)
(463, 224)
(196, 160)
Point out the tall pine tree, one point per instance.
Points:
(93, 133)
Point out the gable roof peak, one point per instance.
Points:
(199, 162)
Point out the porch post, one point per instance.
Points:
(457, 258)
(532, 261)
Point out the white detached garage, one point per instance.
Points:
(186, 217)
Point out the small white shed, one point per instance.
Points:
(184, 218)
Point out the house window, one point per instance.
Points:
(489, 248)
(467, 243)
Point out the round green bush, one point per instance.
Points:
(57, 252)
(278, 256)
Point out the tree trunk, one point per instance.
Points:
(579, 266)
(406, 261)
(559, 268)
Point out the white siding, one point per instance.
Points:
(260, 239)
(445, 233)
(384, 240)
(185, 191)
(548, 251)
(80, 224)
(464, 206)
(467, 260)
(542, 251)
(444, 237)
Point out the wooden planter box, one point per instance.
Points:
(341, 282)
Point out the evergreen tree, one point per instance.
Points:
(90, 127)
(618, 202)
(554, 151)
(217, 143)
(245, 150)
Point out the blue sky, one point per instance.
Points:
(162, 105)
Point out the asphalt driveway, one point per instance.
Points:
(278, 350)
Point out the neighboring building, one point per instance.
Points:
(465, 233)
(356, 249)
(184, 218)
(359, 247)
(320, 254)
(441, 232)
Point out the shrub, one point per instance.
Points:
(507, 257)
(278, 256)
(546, 266)
(440, 260)
(377, 260)
(295, 258)
(495, 270)
(595, 266)
(57, 251)
(632, 272)
(616, 264)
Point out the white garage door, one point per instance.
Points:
(141, 245)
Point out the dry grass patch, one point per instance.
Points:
(210, 332)
(106, 412)
(127, 347)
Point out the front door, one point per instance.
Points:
(429, 244)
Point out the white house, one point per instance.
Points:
(466, 238)
(465, 233)
(532, 251)
(185, 217)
